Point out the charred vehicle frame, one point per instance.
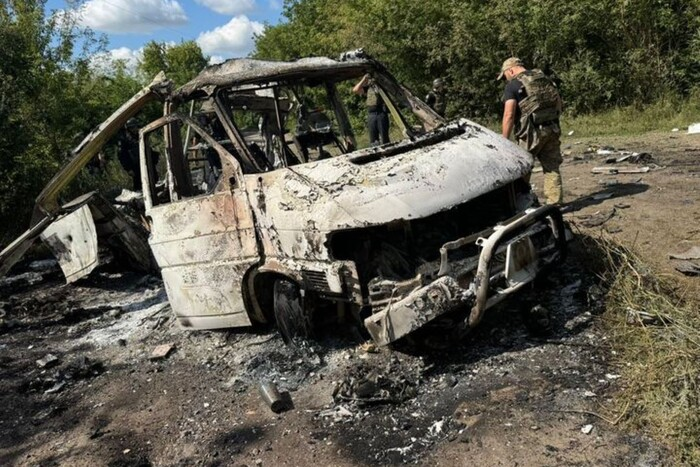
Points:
(266, 209)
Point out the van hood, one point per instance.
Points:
(406, 180)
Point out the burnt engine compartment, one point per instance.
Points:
(397, 250)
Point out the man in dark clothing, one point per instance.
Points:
(128, 152)
(531, 107)
(436, 99)
(377, 113)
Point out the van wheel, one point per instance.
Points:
(293, 320)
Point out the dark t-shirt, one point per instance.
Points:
(515, 90)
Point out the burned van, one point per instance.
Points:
(273, 205)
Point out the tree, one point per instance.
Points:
(38, 112)
(50, 99)
(180, 62)
(604, 52)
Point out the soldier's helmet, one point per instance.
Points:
(132, 123)
(438, 83)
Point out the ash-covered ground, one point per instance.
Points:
(79, 386)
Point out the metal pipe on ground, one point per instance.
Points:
(276, 400)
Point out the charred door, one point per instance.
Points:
(202, 237)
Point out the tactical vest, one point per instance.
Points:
(439, 102)
(374, 99)
(541, 105)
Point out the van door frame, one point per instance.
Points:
(206, 244)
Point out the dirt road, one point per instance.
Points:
(656, 212)
(504, 397)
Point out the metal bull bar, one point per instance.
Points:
(490, 246)
(446, 293)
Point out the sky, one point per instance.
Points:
(222, 28)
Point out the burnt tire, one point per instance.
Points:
(293, 320)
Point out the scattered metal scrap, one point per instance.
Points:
(631, 158)
(78, 369)
(277, 401)
(614, 156)
(597, 219)
(688, 261)
(619, 170)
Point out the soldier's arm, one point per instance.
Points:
(359, 88)
(508, 123)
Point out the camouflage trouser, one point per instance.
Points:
(543, 143)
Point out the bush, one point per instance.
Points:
(606, 53)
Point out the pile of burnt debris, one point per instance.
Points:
(366, 384)
(53, 376)
(611, 155)
(388, 392)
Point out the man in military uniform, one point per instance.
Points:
(532, 106)
(377, 112)
(436, 99)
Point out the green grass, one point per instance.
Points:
(663, 115)
(660, 362)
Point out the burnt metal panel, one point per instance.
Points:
(357, 190)
(245, 70)
(88, 223)
(72, 239)
(479, 283)
(204, 246)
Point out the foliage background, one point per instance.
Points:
(604, 52)
(52, 94)
(607, 54)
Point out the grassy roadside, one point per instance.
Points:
(658, 351)
(664, 115)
